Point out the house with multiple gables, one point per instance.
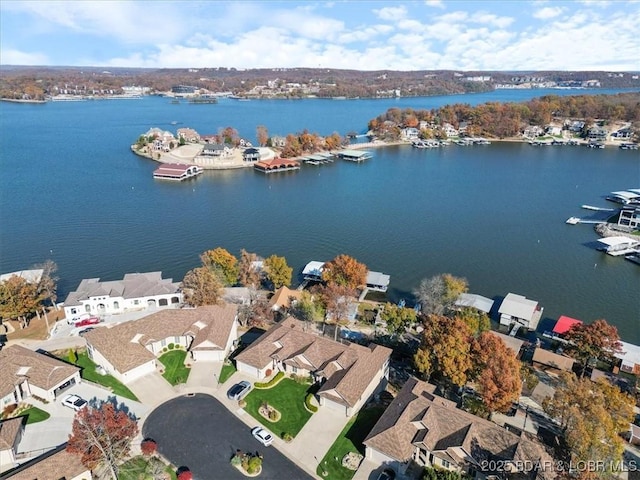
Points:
(424, 429)
(189, 135)
(129, 350)
(136, 291)
(55, 464)
(216, 150)
(11, 432)
(349, 373)
(25, 373)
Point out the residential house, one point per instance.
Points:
(554, 130)
(349, 373)
(55, 464)
(449, 130)
(629, 216)
(516, 309)
(284, 298)
(597, 133)
(553, 360)
(514, 344)
(410, 133)
(136, 291)
(278, 141)
(11, 431)
(251, 155)
(25, 373)
(216, 150)
(533, 131)
(623, 134)
(630, 358)
(421, 428)
(129, 350)
(575, 126)
(189, 135)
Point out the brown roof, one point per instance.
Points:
(282, 297)
(52, 465)
(349, 368)
(550, 359)
(277, 163)
(416, 417)
(9, 431)
(18, 363)
(124, 345)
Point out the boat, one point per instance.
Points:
(573, 220)
(634, 258)
(628, 146)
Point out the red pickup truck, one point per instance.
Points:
(87, 321)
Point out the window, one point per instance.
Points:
(163, 343)
(116, 305)
(294, 370)
(74, 311)
(136, 302)
(445, 464)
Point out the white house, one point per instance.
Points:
(136, 291)
(25, 373)
(518, 309)
(129, 350)
(410, 133)
(349, 373)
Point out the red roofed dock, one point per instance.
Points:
(277, 165)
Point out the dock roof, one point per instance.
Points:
(378, 278)
(630, 354)
(518, 306)
(313, 268)
(564, 323)
(353, 153)
(617, 241)
(479, 302)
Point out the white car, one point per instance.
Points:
(74, 401)
(262, 435)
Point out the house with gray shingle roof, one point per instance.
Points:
(129, 350)
(57, 463)
(421, 428)
(135, 292)
(25, 373)
(349, 373)
(10, 435)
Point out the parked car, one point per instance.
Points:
(262, 435)
(87, 321)
(74, 401)
(75, 319)
(239, 390)
(82, 333)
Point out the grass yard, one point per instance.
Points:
(288, 398)
(349, 440)
(140, 467)
(89, 373)
(35, 415)
(228, 369)
(175, 371)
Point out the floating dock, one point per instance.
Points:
(354, 155)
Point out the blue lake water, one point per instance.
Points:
(72, 191)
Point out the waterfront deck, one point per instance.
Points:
(617, 246)
(354, 155)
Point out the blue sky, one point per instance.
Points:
(356, 34)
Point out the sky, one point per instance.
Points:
(504, 35)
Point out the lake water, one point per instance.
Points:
(72, 191)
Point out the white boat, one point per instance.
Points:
(573, 220)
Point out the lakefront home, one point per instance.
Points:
(420, 428)
(136, 291)
(130, 350)
(349, 374)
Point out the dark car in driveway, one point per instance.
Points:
(239, 390)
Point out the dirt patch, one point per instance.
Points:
(37, 329)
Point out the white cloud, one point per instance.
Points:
(491, 19)
(16, 57)
(391, 13)
(434, 3)
(363, 34)
(548, 12)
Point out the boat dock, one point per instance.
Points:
(354, 155)
(598, 209)
(176, 171)
(318, 159)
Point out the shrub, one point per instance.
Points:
(287, 437)
(236, 460)
(273, 415)
(9, 409)
(300, 379)
(309, 404)
(171, 346)
(242, 403)
(279, 376)
(254, 465)
(148, 447)
(185, 475)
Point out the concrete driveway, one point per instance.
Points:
(55, 430)
(200, 433)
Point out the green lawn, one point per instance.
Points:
(288, 398)
(89, 373)
(175, 372)
(140, 467)
(349, 440)
(228, 369)
(35, 415)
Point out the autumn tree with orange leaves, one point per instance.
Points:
(595, 341)
(499, 379)
(102, 435)
(345, 271)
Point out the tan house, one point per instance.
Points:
(129, 350)
(552, 360)
(10, 435)
(56, 464)
(349, 373)
(25, 373)
(421, 428)
(283, 298)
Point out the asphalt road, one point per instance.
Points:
(200, 433)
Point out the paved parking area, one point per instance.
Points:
(56, 430)
(200, 433)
